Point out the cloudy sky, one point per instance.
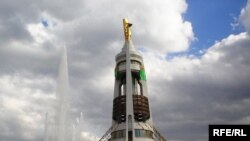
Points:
(196, 56)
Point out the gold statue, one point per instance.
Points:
(127, 30)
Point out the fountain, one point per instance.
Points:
(46, 135)
(62, 98)
(60, 128)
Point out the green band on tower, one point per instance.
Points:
(142, 73)
(117, 74)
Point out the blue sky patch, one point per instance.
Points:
(45, 23)
(212, 21)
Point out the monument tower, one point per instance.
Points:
(131, 119)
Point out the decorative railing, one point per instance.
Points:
(140, 104)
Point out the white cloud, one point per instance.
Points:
(245, 16)
(24, 102)
(163, 29)
(39, 33)
(212, 88)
